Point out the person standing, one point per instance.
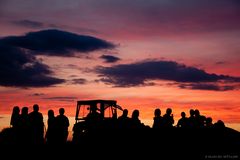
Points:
(51, 130)
(15, 117)
(36, 126)
(62, 124)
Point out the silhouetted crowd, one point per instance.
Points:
(28, 128)
(195, 120)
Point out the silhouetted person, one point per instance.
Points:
(24, 117)
(123, 120)
(168, 120)
(62, 124)
(51, 130)
(15, 124)
(199, 119)
(93, 118)
(191, 119)
(219, 124)
(157, 119)
(36, 125)
(15, 117)
(24, 126)
(135, 122)
(182, 122)
(209, 123)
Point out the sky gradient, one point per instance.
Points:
(144, 54)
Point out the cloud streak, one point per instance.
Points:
(60, 98)
(28, 23)
(144, 72)
(37, 94)
(207, 86)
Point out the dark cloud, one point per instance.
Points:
(57, 43)
(37, 94)
(28, 23)
(79, 81)
(109, 58)
(18, 68)
(142, 73)
(65, 98)
(207, 86)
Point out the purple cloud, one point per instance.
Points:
(57, 43)
(141, 73)
(20, 69)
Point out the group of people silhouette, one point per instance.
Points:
(29, 127)
(195, 120)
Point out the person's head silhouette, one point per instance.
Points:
(135, 114)
(35, 108)
(157, 112)
(61, 111)
(24, 111)
(197, 113)
(183, 114)
(209, 121)
(16, 110)
(50, 113)
(93, 108)
(219, 124)
(169, 111)
(192, 112)
(125, 112)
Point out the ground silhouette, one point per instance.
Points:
(194, 137)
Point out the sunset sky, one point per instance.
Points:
(144, 54)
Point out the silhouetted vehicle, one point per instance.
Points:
(92, 115)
